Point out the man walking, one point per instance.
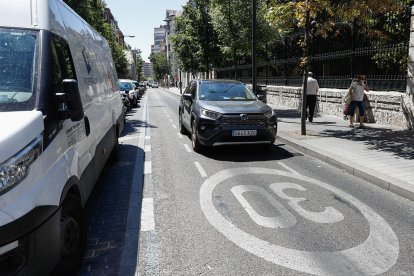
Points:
(312, 90)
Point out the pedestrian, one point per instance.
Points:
(357, 88)
(311, 91)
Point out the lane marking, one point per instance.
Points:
(288, 168)
(147, 148)
(180, 135)
(147, 167)
(174, 126)
(170, 120)
(187, 148)
(126, 138)
(147, 137)
(147, 215)
(377, 254)
(200, 169)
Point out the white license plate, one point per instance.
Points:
(244, 132)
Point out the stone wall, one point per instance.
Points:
(385, 108)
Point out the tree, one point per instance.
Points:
(91, 11)
(138, 63)
(232, 21)
(196, 41)
(160, 65)
(287, 16)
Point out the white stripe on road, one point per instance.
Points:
(147, 148)
(288, 168)
(174, 126)
(147, 137)
(187, 148)
(170, 120)
(147, 215)
(200, 169)
(147, 167)
(168, 116)
(126, 138)
(180, 135)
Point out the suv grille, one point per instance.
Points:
(252, 120)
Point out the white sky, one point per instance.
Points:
(139, 18)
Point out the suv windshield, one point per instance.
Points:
(212, 91)
(18, 52)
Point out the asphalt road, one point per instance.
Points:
(237, 210)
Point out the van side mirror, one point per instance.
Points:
(72, 100)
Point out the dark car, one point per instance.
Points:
(225, 112)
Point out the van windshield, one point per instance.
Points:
(18, 52)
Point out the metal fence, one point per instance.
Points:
(334, 60)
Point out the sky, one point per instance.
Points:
(139, 18)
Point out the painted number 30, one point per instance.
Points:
(285, 219)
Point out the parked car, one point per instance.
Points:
(225, 112)
(129, 87)
(60, 119)
(154, 84)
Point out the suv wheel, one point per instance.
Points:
(197, 147)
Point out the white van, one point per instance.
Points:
(60, 119)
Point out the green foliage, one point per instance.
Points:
(160, 65)
(92, 12)
(196, 41)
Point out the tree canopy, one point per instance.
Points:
(160, 65)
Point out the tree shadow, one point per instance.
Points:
(398, 142)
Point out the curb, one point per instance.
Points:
(383, 181)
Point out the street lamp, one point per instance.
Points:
(254, 43)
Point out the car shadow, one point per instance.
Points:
(249, 153)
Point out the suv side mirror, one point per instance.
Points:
(260, 97)
(188, 97)
(72, 99)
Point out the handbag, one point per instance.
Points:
(347, 110)
(348, 98)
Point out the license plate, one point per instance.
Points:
(244, 132)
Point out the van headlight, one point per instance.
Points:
(210, 114)
(269, 113)
(16, 168)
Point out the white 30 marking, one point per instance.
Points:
(377, 254)
(285, 220)
(330, 215)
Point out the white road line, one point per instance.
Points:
(187, 148)
(126, 138)
(288, 168)
(180, 135)
(174, 126)
(147, 167)
(147, 148)
(147, 137)
(200, 169)
(170, 120)
(147, 215)
(168, 116)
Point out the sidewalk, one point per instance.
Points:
(380, 155)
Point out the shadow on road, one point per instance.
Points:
(243, 153)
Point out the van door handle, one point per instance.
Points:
(87, 126)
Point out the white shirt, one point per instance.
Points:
(312, 86)
(358, 90)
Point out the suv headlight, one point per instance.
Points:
(269, 113)
(16, 168)
(210, 114)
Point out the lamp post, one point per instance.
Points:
(254, 46)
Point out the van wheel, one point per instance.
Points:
(116, 152)
(197, 147)
(72, 236)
